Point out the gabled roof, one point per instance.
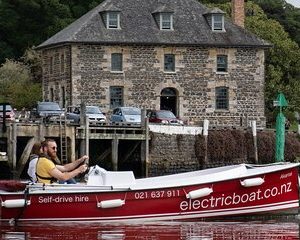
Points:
(138, 26)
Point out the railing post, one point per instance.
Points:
(205, 134)
(254, 133)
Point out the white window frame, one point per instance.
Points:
(217, 24)
(113, 20)
(166, 21)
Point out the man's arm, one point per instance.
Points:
(64, 176)
(71, 166)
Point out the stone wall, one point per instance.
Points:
(181, 153)
(172, 154)
(143, 78)
(57, 84)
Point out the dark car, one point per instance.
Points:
(47, 110)
(10, 114)
(163, 117)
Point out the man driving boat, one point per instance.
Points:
(47, 169)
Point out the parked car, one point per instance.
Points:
(47, 110)
(10, 114)
(94, 114)
(131, 115)
(163, 117)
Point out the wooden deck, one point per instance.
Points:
(37, 131)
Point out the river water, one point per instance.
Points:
(156, 230)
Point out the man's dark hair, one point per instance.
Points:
(45, 142)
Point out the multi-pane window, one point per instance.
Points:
(51, 94)
(116, 62)
(51, 65)
(116, 97)
(222, 63)
(62, 63)
(63, 96)
(166, 21)
(169, 63)
(113, 20)
(222, 98)
(217, 22)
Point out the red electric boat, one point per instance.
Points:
(117, 196)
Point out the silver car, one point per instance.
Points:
(131, 115)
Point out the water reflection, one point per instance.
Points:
(154, 231)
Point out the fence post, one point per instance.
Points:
(254, 133)
(205, 134)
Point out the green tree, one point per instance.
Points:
(286, 14)
(282, 60)
(16, 86)
(27, 23)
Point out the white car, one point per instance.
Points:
(92, 112)
(95, 115)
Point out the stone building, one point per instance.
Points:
(159, 54)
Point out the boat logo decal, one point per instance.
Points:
(234, 198)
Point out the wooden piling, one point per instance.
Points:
(114, 147)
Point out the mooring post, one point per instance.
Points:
(14, 147)
(9, 147)
(145, 144)
(72, 146)
(254, 133)
(114, 147)
(87, 136)
(205, 134)
(41, 133)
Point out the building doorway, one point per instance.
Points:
(168, 100)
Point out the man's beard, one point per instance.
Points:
(52, 155)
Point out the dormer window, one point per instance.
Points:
(113, 20)
(164, 17)
(215, 19)
(217, 22)
(166, 21)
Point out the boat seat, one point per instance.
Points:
(118, 178)
(98, 176)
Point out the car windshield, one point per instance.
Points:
(131, 111)
(165, 114)
(8, 108)
(49, 107)
(93, 110)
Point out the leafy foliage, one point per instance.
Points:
(286, 14)
(16, 86)
(27, 23)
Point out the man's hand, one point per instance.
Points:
(82, 168)
(82, 159)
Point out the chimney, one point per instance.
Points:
(238, 12)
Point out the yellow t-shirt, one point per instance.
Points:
(43, 167)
